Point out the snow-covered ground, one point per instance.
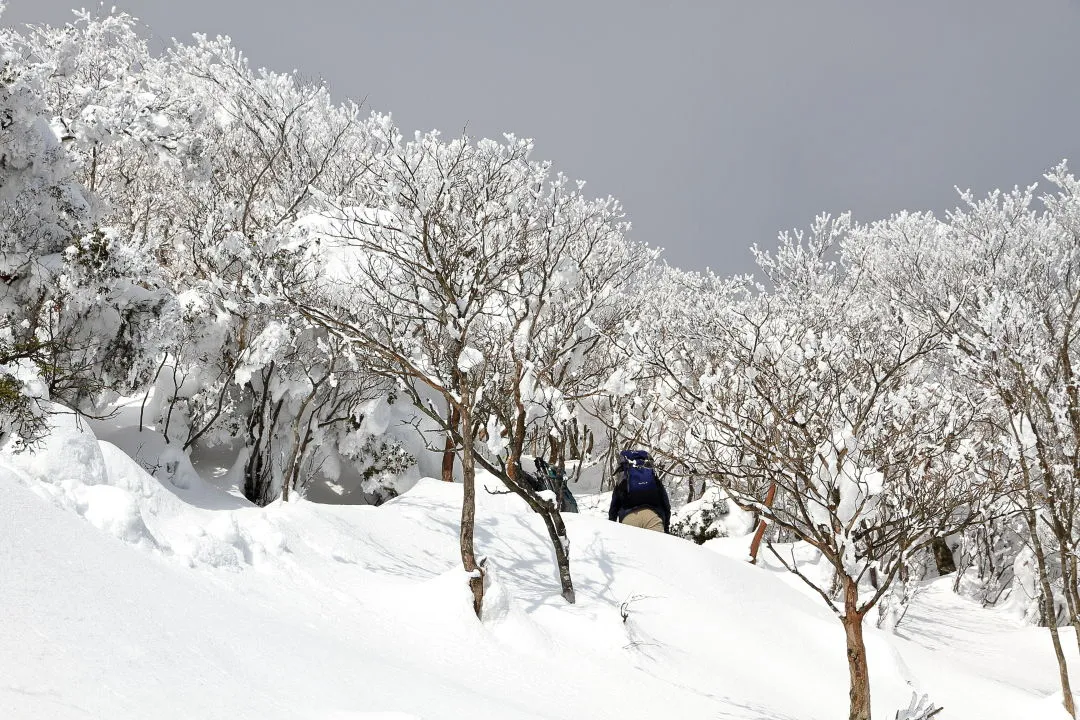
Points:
(126, 596)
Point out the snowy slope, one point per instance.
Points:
(122, 596)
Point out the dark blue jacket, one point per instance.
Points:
(622, 505)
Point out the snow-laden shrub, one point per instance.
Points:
(22, 423)
(382, 462)
(712, 516)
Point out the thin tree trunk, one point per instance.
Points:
(172, 404)
(449, 451)
(858, 669)
(561, 544)
(554, 450)
(572, 438)
(292, 467)
(1068, 584)
(296, 459)
(755, 544)
(1048, 608)
(1071, 592)
(1064, 533)
(468, 509)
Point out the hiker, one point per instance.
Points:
(639, 498)
(554, 479)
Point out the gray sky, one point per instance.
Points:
(717, 123)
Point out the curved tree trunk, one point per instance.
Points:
(552, 521)
(561, 543)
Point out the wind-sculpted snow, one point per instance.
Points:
(119, 497)
(72, 471)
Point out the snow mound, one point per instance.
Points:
(231, 541)
(149, 451)
(117, 495)
(70, 454)
(112, 510)
(70, 469)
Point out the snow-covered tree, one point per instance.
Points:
(44, 215)
(1002, 280)
(114, 309)
(822, 390)
(419, 279)
(269, 147)
(548, 343)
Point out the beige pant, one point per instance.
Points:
(644, 518)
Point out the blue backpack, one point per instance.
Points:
(642, 485)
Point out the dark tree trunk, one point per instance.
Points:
(943, 556)
(259, 467)
(555, 450)
(449, 451)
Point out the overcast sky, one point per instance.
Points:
(717, 123)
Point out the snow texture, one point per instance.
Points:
(171, 602)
